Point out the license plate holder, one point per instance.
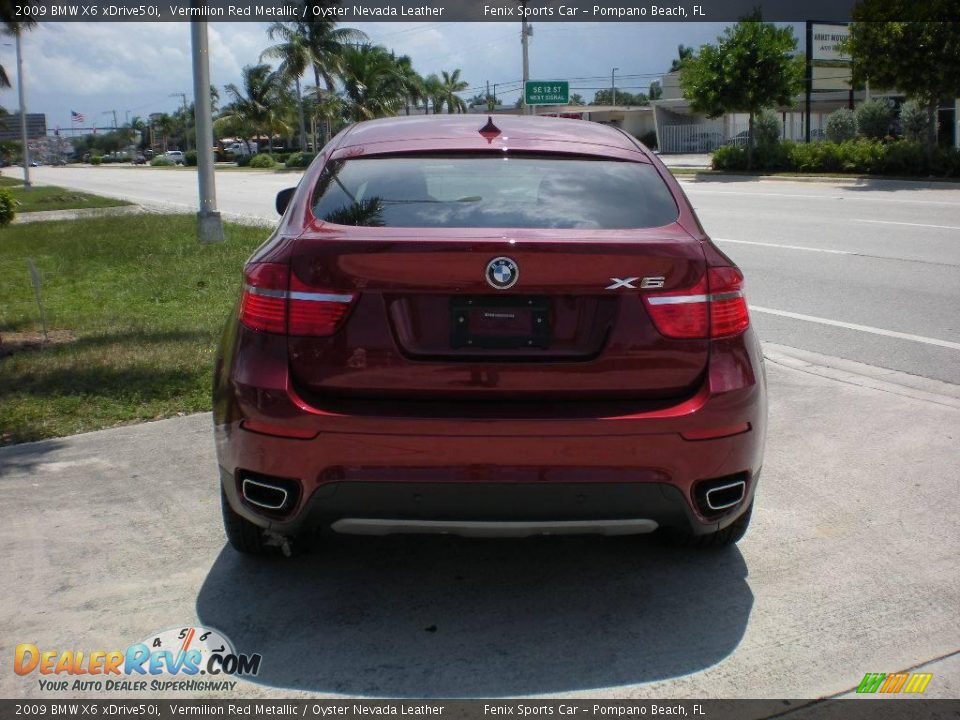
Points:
(500, 323)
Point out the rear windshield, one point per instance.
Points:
(493, 192)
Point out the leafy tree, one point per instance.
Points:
(577, 99)
(432, 93)
(410, 80)
(751, 67)
(921, 58)
(605, 97)
(874, 118)
(767, 128)
(841, 125)
(656, 90)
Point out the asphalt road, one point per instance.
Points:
(850, 566)
(867, 271)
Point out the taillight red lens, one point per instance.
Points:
(728, 306)
(263, 305)
(314, 311)
(276, 301)
(713, 307)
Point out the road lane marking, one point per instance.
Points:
(862, 328)
(786, 247)
(692, 186)
(893, 222)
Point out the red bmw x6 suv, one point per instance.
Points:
(509, 327)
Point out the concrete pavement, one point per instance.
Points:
(851, 566)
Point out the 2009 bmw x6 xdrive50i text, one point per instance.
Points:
(509, 328)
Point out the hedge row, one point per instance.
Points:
(867, 157)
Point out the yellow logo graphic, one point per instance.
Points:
(902, 682)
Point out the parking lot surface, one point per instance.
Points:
(851, 566)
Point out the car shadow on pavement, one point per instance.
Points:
(444, 617)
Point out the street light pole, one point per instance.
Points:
(613, 86)
(524, 41)
(209, 224)
(23, 115)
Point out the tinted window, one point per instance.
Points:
(472, 191)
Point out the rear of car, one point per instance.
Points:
(513, 329)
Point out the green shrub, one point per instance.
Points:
(8, 207)
(729, 157)
(190, 158)
(243, 161)
(280, 158)
(913, 120)
(300, 160)
(95, 160)
(766, 128)
(162, 161)
(874, 118)
(262, 161)
(841, 126)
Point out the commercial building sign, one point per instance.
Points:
(826, 40)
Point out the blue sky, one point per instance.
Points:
(95, 68)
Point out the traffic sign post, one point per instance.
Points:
(546, 92)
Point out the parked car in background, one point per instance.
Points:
(240, 149)
(176, 156)
(139, 159)
(702, 142)
(450, 333)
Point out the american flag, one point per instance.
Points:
(77, 117)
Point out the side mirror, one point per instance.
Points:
(283, 199)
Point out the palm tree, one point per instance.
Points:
(413, 89)
(372, 84)
(683, 52)
(432, 93)
(295, 57)
(326, 41)
(164, 123)
(13, 25)
(451, 85)
(577, 99)
(256, 107)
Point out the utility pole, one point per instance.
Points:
(209, 223)
(114, 113)
(525, 32)
(21, 90)
(613, 86)
(186, 135)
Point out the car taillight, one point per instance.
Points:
(714, 307)
(276, 301)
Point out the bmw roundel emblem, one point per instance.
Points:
(502, 273)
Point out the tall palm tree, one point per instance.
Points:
(433, 93)
(683, 52)
(413, 88)
(257, 105)
(295, 56)
(12, 25)
(326, 41)
(451, 85)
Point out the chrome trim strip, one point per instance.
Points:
(480, 528)
(320, 297)
(742, 485)
(682, 299)
(314, 297)
(269, 487)
(678, 299)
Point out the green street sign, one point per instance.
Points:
(546, 92)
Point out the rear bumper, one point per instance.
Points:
(497, 470)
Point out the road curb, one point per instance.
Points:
(78, 214)
(863, 375)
